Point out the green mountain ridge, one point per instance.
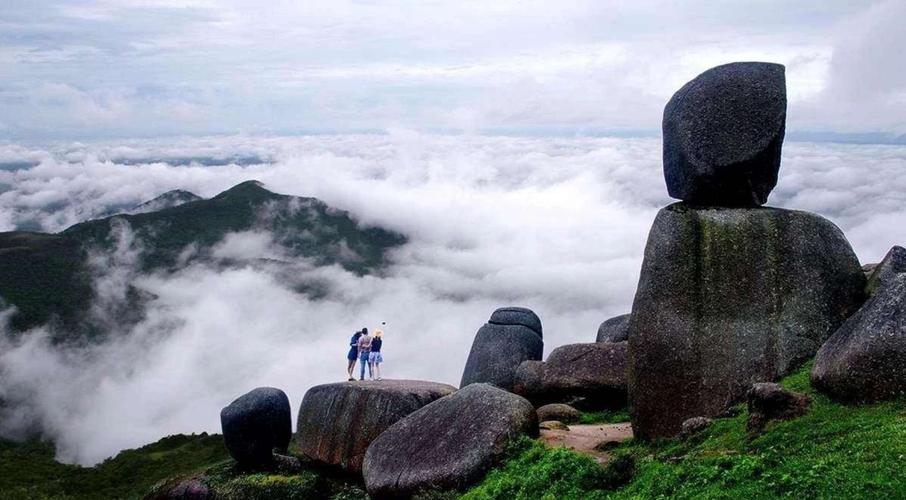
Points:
(48, 279)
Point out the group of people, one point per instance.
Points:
(367, 350)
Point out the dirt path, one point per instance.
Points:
(588, 439)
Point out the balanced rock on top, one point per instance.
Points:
(723, 133)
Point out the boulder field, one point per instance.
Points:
(338, 421)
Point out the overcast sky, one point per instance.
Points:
(115, 68)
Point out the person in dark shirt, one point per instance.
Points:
(375, 359)
(353, 352)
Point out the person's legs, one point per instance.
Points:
(370, 368)
(362, 362)
(377, 369)
(350, 367)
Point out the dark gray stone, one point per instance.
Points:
(865, 360)
(517, 316)
(615, 329)
(448, 444)
(560, 412)
(595, 372)
(589, 376)
(768, 401)
(528, 381)
(694, 425)
(496, 353)
(256, 424)
(730, 297)
(723, 133)
(894, 263)
(338, 421)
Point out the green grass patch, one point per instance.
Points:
(605, 417)
(534, 471)
(834, 451)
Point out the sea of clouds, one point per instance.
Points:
(557, 224)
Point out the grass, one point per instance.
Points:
(834, 451)
(535, 471)
(605, 417)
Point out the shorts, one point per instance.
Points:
(353, 354)
(375, 357)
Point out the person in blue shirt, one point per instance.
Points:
(353, 352)
(375, 359)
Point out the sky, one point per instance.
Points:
(145, 68)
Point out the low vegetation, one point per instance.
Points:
(835, 451)
(28, 470)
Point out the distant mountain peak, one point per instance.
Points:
(251, 189)
(169, 199)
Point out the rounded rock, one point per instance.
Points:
(338, 421)
(728, 297)
(615, 329)
(558, 411)
(256, 424)
(497, 352)
(448, 444)
(517, 316)
(865, 360)
(723, 132)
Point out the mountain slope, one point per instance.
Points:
(47, 277)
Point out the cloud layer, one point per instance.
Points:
(556, 224)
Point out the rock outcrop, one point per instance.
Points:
(256, 424)
(883, 273)
(590, 376)
(501, 345)
(865, 360)
(729, 297)
(768, 401)
(723, 133)
(447, 444)
(558, 411)
(615, 329)
(338, 421)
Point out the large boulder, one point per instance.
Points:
(590, 376)
(894, 263)
(865, 360)
(615, 329)
(594, 373)
(500, 347)
(256, 424)
(729, 297)
(723, 133)
(338, 421)
(449, 443)
(517, 316)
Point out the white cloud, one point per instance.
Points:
(557, 224)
